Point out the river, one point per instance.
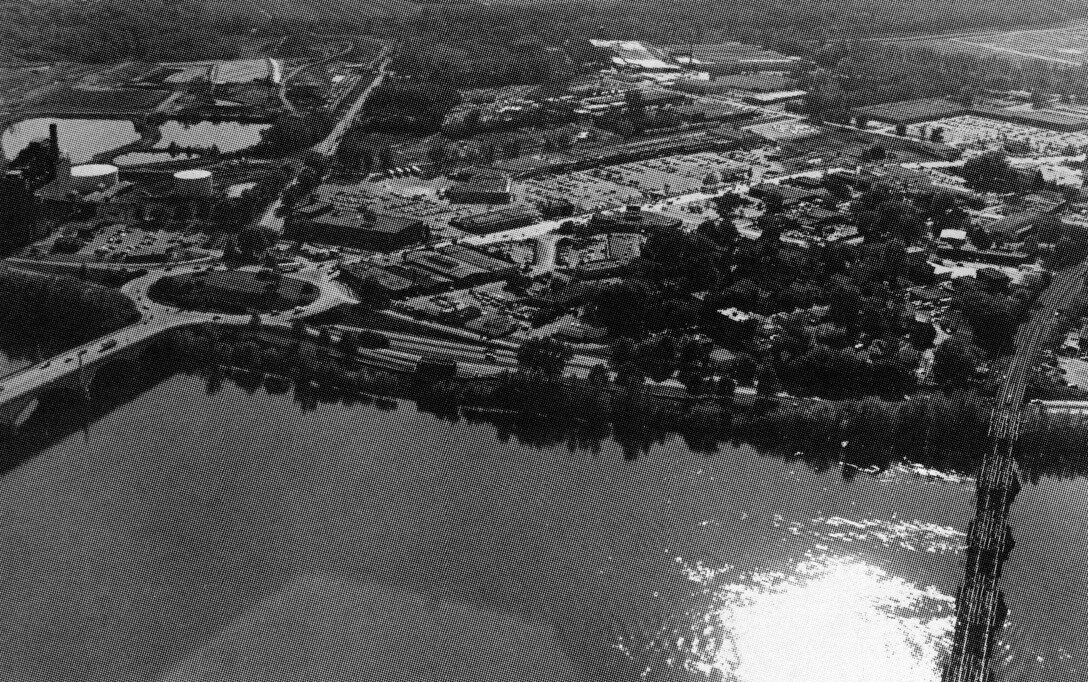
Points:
(192, 532)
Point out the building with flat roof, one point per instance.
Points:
(498, 268)
(954, 237)
(633, 219)
(496, 221)
(362, 229)
(421, 278)
(458, 271)
(484, 187)
(790, 195)
(624, 246)
(392, 284)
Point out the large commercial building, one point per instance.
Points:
(632, 219)
(496, 221)
(362, 229)
(484, 187)
(498, 268)
(392, 284)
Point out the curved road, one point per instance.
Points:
(156, 318)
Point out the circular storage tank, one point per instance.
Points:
(89, 177)
(193, 183)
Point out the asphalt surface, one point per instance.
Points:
(157, 318)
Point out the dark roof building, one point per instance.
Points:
(496, 221)
(912, 111)
(391, 283)
(633, 219)
(496, 266)
(1016, 224)
(366, 230)
(790, 195)
(422, 279)
(450, 268)
(484, 187)
(992, 278)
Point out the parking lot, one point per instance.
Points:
(121, 243)
(985, 133)
(491, 299)
(618, 185)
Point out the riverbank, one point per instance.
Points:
(946, 430)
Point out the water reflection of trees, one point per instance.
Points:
(946, 431)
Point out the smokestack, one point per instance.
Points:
(54, 138)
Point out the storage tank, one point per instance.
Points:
(193, 183)
(93, 176)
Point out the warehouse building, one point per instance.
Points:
(498, 268)
(392, 284)
(632, 219)
(365, 230)
(496, 221)
(484, 187)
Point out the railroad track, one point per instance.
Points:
(980, 602)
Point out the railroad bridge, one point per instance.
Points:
(980, 602)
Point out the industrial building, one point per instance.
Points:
(498, 268)
(392, 284)
(496, 221)
(323, 223)
(484, 187)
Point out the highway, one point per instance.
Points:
(155, 319)
(331, 143)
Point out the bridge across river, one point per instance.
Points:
(980, 602)
(75, 369)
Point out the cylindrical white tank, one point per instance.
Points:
(193, 183)
(88, 177)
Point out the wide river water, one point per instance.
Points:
(177, 534)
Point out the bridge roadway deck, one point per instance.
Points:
(156, 319)
(980, 603)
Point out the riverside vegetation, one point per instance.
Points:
(541, 406)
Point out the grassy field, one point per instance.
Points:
(99, 101)
(1066, 46)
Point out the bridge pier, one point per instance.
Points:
(16, 413)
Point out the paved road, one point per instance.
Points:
(331, 143)
(155, 319)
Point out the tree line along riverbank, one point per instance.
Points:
(945, 430)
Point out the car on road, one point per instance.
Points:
(112, 343)
(45, 365)
(216, 318)
(491, 357)
(68, 359)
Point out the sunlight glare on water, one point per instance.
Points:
(836, 620)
